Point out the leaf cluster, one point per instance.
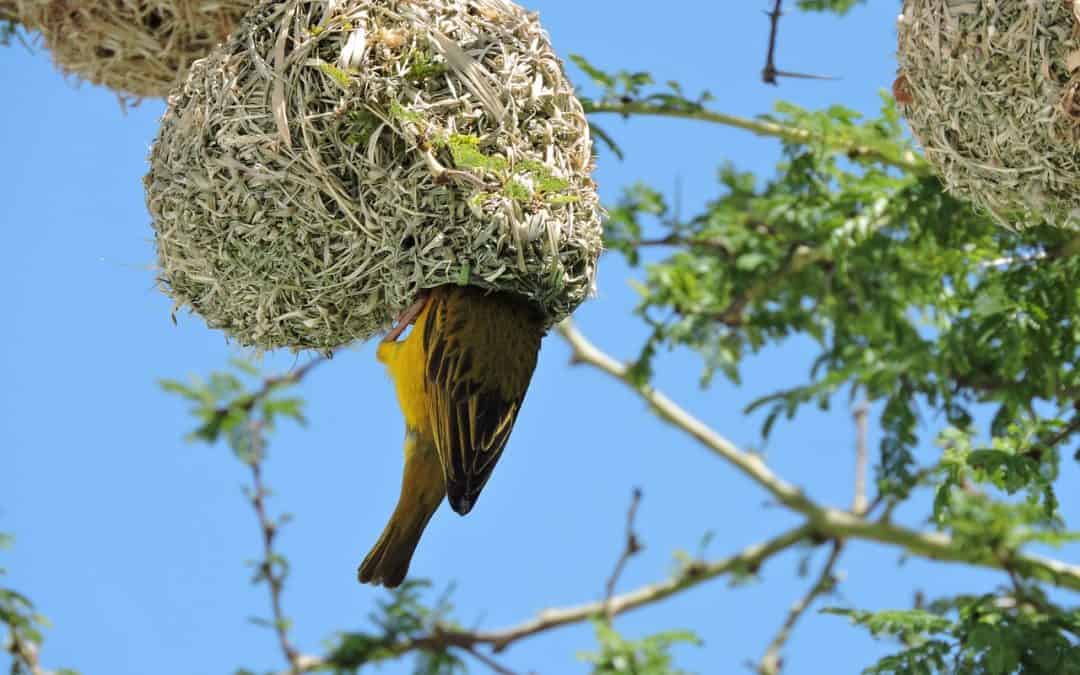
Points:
(836, 6)
(623, 87)
(399, 620)
(228, 406)
(1024, 458)
(650, 655)
(910, 296)
(911, 299)
(24, 626)
(988, 634)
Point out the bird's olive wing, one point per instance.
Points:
(478, 368)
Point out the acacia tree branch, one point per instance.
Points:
(584, 352)
(772, 662)
(747, 561)
(829, 522)
(908, 161)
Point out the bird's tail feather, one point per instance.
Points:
(422, 491)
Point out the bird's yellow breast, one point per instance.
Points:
(406, 362)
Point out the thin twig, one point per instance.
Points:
(488, 661)
(633, 547)
(1070, 429)
(768, 75)
(770, 72)
(269, 386)
(829, 522)
(292, 377)
(858, 503)
(772, 662)
(269, 569)
(689, 576)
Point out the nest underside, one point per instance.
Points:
(990, 91)
(137, 48)
(321, 169)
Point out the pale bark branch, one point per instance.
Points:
(750, 464)
(747, 561)
(829, 522)
(908, 161)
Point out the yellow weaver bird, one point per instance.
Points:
(461, 375)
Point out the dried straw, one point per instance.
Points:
(9, 11)
(139, 48)
(989, 88)
(335, 157)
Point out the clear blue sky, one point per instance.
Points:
(133, 543)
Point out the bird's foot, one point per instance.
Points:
(406, 318)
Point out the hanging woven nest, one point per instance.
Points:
(139, 48)
(990, 90)
(334, 158)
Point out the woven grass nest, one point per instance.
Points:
(334, 158)
(139, 48)
(992, 92)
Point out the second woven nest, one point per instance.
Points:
(139, 48)
(991, 89)
(334, 158)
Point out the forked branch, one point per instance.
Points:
(829, 522)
